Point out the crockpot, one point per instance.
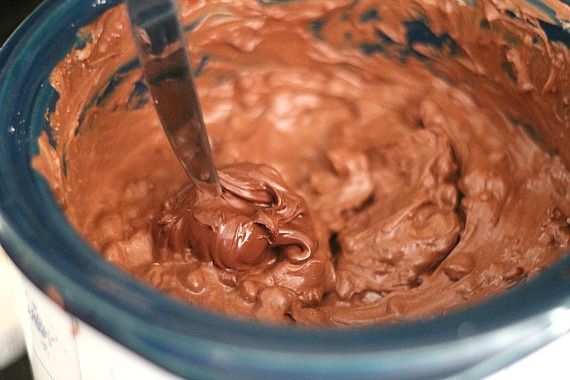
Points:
(84, 318)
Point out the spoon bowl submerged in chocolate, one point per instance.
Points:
(252, 225)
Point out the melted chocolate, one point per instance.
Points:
(380, 160)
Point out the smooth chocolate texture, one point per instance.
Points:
(381, 160)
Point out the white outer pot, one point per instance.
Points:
(11, 338)
(62, 347)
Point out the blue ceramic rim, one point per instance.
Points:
(184, 339)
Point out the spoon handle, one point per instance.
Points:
(163, 55)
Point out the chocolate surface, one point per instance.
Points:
(380, 160)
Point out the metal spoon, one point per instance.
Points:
(163, 55)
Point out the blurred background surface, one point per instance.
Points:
(13, 13)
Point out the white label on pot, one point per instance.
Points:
(52, 348)
(62, 347)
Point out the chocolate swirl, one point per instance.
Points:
(257, 219)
